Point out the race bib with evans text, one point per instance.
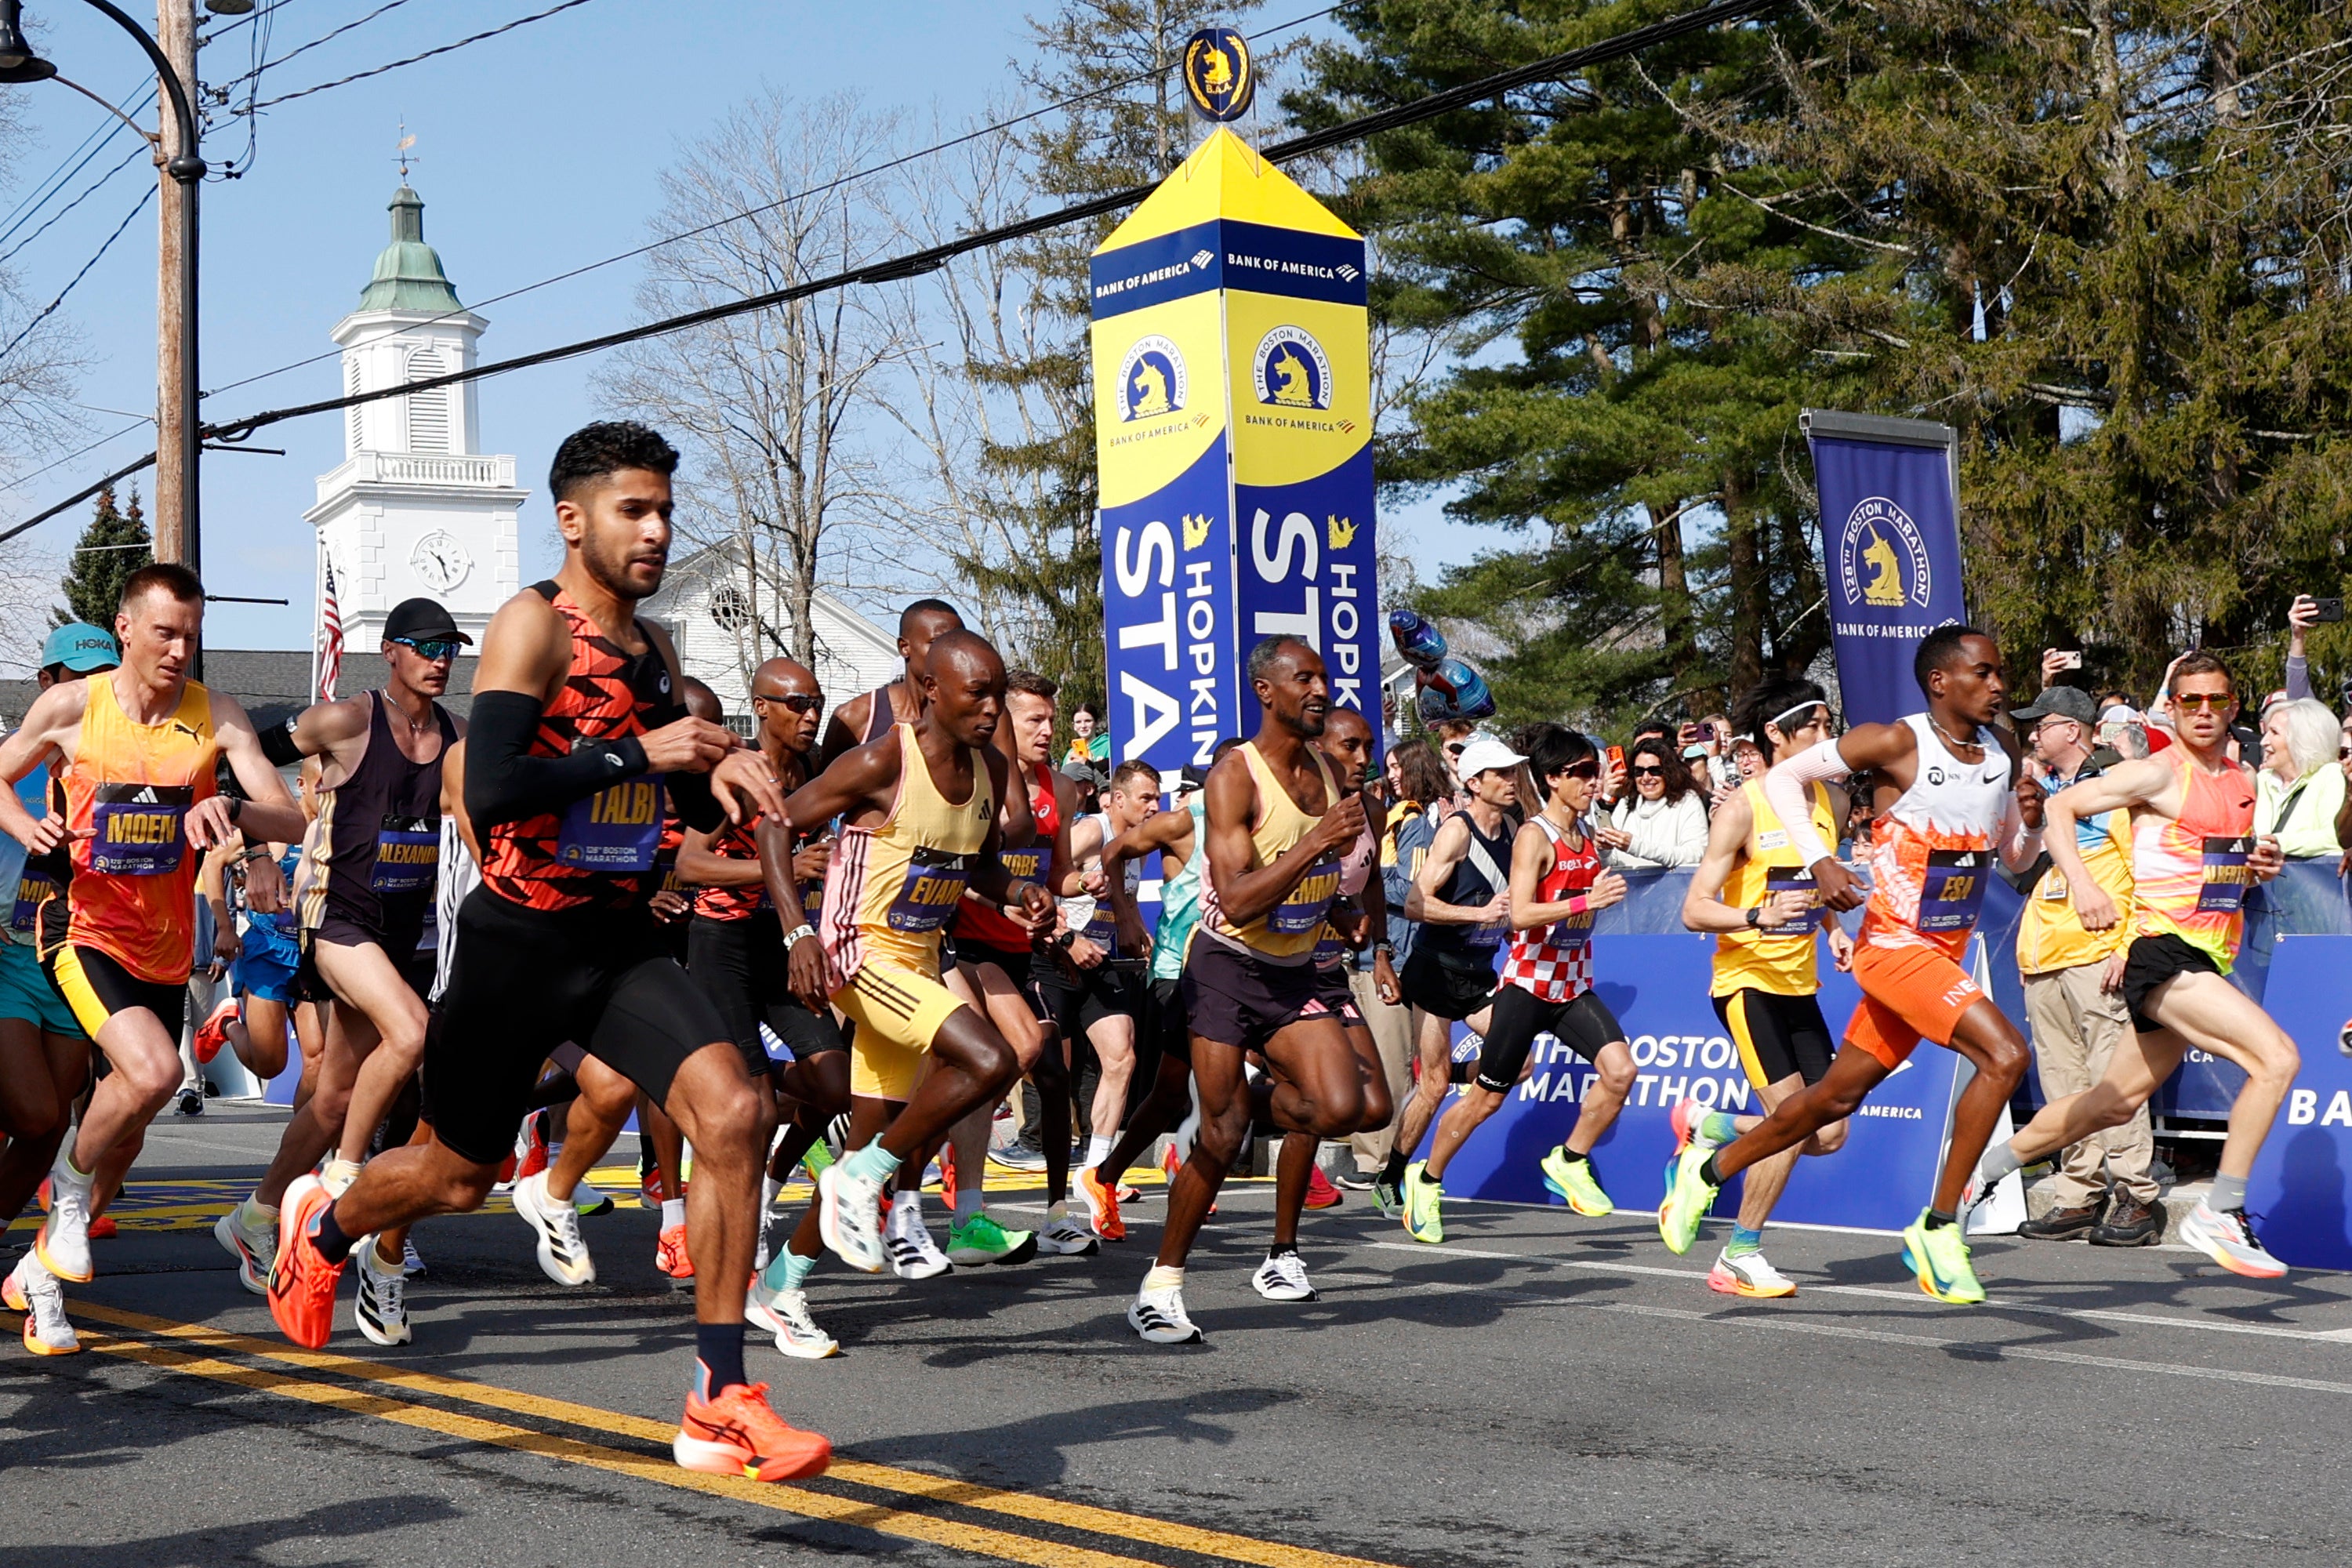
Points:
(935, 882)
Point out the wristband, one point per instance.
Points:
(236, 808)
(1580, 905)
(792, 937)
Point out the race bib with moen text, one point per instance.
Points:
(1952, 893)
(935, 883)
(407, 854)
(140, 830)
(2227, 874)
(616, 829)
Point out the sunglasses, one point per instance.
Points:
(2204, 701)
(1590, 768)
(798, 701)
(434, 650)
(1455, 748)
(1649, 773)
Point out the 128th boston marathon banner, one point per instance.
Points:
(1232, 413)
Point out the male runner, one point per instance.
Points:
(865, 719)
(1276, 824)
(575, 730)
(2193, 856)
(1557, 884)
(138, 749)
(374, 856)
(1949, 799)
(1754, 891)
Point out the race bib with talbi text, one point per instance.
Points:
(140, 830)
(616, 829)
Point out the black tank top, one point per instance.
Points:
(379, 835)
(880, 715)
(1470, 887)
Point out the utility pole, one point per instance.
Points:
(177, 533)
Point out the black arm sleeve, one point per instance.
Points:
(689, 794)
(505, 784)
(277, 745)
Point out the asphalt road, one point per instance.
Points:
(1541, 1390)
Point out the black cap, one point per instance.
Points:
(423, 620)
(2065, 703)
(1193, 778)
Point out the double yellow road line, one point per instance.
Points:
(400, 1395)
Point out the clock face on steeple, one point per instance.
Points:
(440, 560)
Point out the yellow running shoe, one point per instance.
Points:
(1939, 1259)
(1423, 1199)
(1573, 1180)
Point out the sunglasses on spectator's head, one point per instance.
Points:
(430, 651)
(1650, 773)
(798, 701)
(2205, 701)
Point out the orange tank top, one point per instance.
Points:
(2189, 873)
(128, 794)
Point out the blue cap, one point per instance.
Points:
(80, 647)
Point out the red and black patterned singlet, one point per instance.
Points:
(599, 852)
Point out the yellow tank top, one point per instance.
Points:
(892, 888)
(2049, 934)
(1288, 930)
(1781, 959)
(128, 794)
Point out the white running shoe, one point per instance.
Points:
(62, 1243)
(562, 1254)
(1065, 1238)
(255, 1247)
(2226, 1238)
(1160, 1317)
(34, 1291)
(913, 1254)
(1180, 1141)
(785, 1314)
(849, 1219)
(1283, 1277)
(381, 1307)
(1749, 1274)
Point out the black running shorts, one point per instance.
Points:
(97, 986)
(1443, 988)
(522, 982)
(1331, 984)
(1240, 999)
(2149, 961)
(742, 964)
(1076, 1003)
(399, 944)
(1778, 1036)
(1584, 1024)
(1163, 1027)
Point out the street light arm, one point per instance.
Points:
(146, 134)
(188, 167)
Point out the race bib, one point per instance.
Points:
(1025, 865)
(31, 889)
(1954, 890)
(1489, 934)
(2227, 874)
(141, 830)
(1570, 933)
(935, 884)
(1792, 879)
(1303, 910)
(407, 854)
(1102, 929)
(616, 829)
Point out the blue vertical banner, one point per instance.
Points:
(1890, 549)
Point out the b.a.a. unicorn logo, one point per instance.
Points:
(1291, 370)
(1882, 561)
(1151, 379)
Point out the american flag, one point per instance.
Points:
(330, 656)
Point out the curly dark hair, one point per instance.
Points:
(1679, 782)
(607, 446)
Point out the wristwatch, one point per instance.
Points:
(1754, 918)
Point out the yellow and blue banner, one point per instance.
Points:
(1232, 411)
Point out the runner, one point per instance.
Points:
(1755, 894)
(865, 718)
(1274, 827)
(575, 730)
(1556, 886)
(2193, 856)
(138, 749)
(1949, 799)
(369, 889)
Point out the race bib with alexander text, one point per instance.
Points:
(1303, 910)
(1953, 892)
(2227, 874)
(935, 882)
(140, 830)
(31, 889)
(616, 829)
(1789, 880)
(407, 854)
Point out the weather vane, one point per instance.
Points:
(401, 156)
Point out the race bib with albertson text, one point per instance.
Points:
(618, 829)
(1953, 893)
(935, 883)
(1303, 910)
(1789, 879)
(407, 855)
(139, 830)
(2227, 874)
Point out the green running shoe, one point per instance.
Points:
(1939, 1259)
(1688, 1197)
(981, 1239)
(817, 1158)
(1388, 1196)
(1573, 1180)
(1423, 1199)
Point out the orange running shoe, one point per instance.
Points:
(1102, 1206)
(946, 1177)
(301, 1281)
(213, 1033)
(42, 1193)
(1320, 1193)
(102, 1227)
(670, 1257)
(1171, 1164)
(736, 1435)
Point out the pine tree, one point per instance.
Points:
(114, 545)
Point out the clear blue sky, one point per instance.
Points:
(538, 150)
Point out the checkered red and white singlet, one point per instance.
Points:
(1554, 962)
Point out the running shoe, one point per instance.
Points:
(1747, 1275)
(102, 1227)
(34, 1291)
(411, 1262)
(1283, 1277)
(981, 1239)
(530, 1146)
(1320, 1193)
(1938, 1259)
(1355, 1179)
(1171, 1164)
(1019, 1157)
(381, 1308)
(190, 1103)
(1102, 1206)
(1689, 1195)
(562, 1254)
(2227, 1237)
(913, 1254)
(1576, 1184)
(670, 1257)
(1066, 1237)
(591, 1202)
(946, 1177)
(1387, 1196)
(1160, 1317)
(817, 1160)
(1128, 1192)
(649, 1188)
(252, 1244)
(849, 1219)
(785, 1314)
(213, 1033)
(1685, 1118)
(735, 1434)
(301, 1281)
(1423, 1200)
(62, 1243)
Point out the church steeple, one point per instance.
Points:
(408, 275)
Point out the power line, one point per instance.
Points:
(223, 88)
(395, 65)
(99, 184)
(146, 196)
(56, 179)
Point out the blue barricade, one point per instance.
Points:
(2301, 1189)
